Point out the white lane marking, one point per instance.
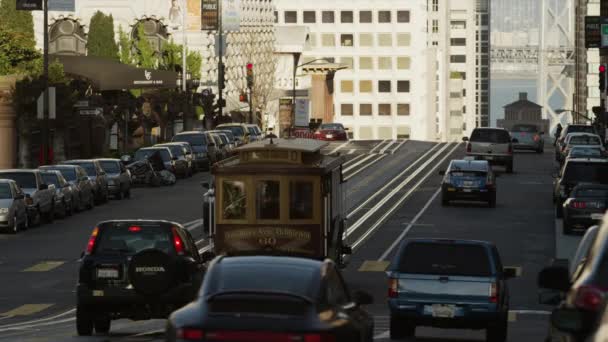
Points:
(353, 160)
(385, 334)
(204, 249)
(398, 146)
(379, 156)
(409, 226)
(399, 202)
(194, 226)
(23, 327)
(150, 332)
(338, 148)
(40, 320)
(352, 151)
(358, 163)
(190, 222)
(377, 146)
(362, 205)
(391, 194)
(390, 143)
(199, 241)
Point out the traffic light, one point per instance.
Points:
(249, 75)
(602, 74)
(221, 77)
(243, 97)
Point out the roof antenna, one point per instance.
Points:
(271, 135)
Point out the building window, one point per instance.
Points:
(328, 40)
(384, 109)
(458, 24)
(384, 17)
(346, 17)
(312, 39)
(458, 59)
(365, 86)
(403, 109)
(366, 40)
(385, 63)
(346, 109)
(403, 63)
(346, 86)
(463, 74)
(365, 63)
(384, 86)
(435, 43)
(310, 17)
(346, 40)
(458, 41)
(484, 20)
(365, 17)
(464, 109)
(329, 59)
(365, 109)
(291, 17)
(403, 86)
(453, 95)
(385, 39)
(276, 17)
(403, 16)
(435, 26)
(435, 5)
(464, 92)
(347, 61)
(404, 39)
(327, 17)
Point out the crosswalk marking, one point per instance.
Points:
(26, 309)
(44, 266)
(373, 266)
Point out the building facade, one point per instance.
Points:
(586, 62)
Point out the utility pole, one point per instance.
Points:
(185, 44)
(250, 87)
(45, 79)
(220, 65)
(603, 61)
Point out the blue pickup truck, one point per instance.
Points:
(448, 284)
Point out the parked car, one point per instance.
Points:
(240, 131)
(97, 176)
(492, 144)
(119, 178)
(83, 188)
(226, 146)
(39, 196)
(580, 139)
(571, 129)
(170, 162)
(468, 180)
(586, 151)
(145, 269)
(217, 151)
(13, 210)
(188, 154)
(529, 137)
(583, 249)
(255, 132)
(198, 141)
(331, 132)
(64, 195)
(448, 284)
(584, 207)
(247, 298)
(233, 141)
(575, 171)
(183, 165)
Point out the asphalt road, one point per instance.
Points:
(391, 195)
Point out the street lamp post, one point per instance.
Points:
(184, 46)
(45, 111)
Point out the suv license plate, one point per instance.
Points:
(443, 311)
(597, 216)
(107, 273)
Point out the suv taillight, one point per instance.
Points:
(494, 293)
(589, 298)
(177, 242)
(393, 287)
(92, 241)
(578, 205)
(190, 334)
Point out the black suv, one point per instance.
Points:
(136, 269)
(575, 171)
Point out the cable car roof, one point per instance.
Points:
(299, 145)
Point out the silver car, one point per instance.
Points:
(492, 144)
(84, 194)
(13, 210)
(64, 193)
(529, 138)
(119, 178)
(39, 196)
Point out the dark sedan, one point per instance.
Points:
(247, 299)
(585, 207)
(331, 132)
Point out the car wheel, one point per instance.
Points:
(91, 204)
(84, 321)
(64, 210)
(559, 213)
(399, 329)
(497, 333)
(102, 325)
(38, 217)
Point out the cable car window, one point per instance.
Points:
(279, 155)
(300, 200)
(234, 201)
(268, 200)
(257, 155)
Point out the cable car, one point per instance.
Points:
(278, 197)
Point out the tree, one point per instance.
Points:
(126, 46)
(20, 22)
(172, 59)
(146, 56)
(101, 41)
(16, 54)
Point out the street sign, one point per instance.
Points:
(209, 84)
(82, 103)
(209, 15)
(52, 105)
(29, 5)
(593, 35)
(90, 111)
(62, 5)
(231, 15)
(302, 112)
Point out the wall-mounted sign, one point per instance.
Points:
(302, 112)
(231, 15)
(209, 15)
(593, 36)
(62, 5)
(193, 15)
(29, 5)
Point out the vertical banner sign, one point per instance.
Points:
(193, 18)
(593, 35)
(28, 5)
(231, 15)
(302, 112)
(209, 15)
(62, 5)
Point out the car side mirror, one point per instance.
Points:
(510, 272)
(207, 256)
(554, 278)
(465, 139)
(568, 320)
(43, 187)
(442, 173)
(362, 298)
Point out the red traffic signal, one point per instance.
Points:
(602, 68)
(249, 66)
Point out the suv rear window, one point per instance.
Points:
(584, 140)
(581, 129)
(192, 139)
(110, 166)
(445, 259)
(236, 130)
(490, 135)
(25, 180)
(525, 128)
(586, 172)
(131, 239)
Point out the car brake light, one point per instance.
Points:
(578, 205)
(494, 293)
(393, 287)
(177, 242)
(190, 334)
(92, 240)
(134, 229)
(589, 298)
(469, 147)
(255, 336)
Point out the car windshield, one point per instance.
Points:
(25, 180)
(110, 166)
(236, 130)
(525, 129)
(445, 259)
(68, 174)
(142, 154)
(5, 191)
(50, 178)
(592, 192)
(468, 173)
(589, 152)
(586, 172)
(192, 139)
(490, 135)
(132, 239)
(88, 167)
(176, 150)
(581, 129)
(584, 140)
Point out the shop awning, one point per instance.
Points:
(109, 74)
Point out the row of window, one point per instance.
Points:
(384, 109)
(366, 86)
(364, 39)
(345, 17)
(377, 63)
